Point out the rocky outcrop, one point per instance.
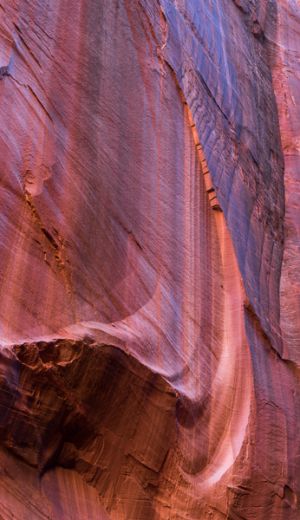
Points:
(149, 260)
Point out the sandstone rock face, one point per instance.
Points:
(149, 267)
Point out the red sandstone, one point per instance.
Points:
(149, 266)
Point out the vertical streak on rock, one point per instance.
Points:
(285, 52)
(222, 415)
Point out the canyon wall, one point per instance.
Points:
(149, 266)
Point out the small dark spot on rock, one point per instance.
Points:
(3, 72)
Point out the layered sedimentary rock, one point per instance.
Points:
(149, 260)
(286, 54)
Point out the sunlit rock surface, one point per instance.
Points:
(149, 266)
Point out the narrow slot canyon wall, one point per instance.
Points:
(149, 266)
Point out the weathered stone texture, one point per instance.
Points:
(149, 259)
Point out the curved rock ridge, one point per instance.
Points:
(148, 267)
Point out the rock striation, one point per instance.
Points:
(149, 266)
